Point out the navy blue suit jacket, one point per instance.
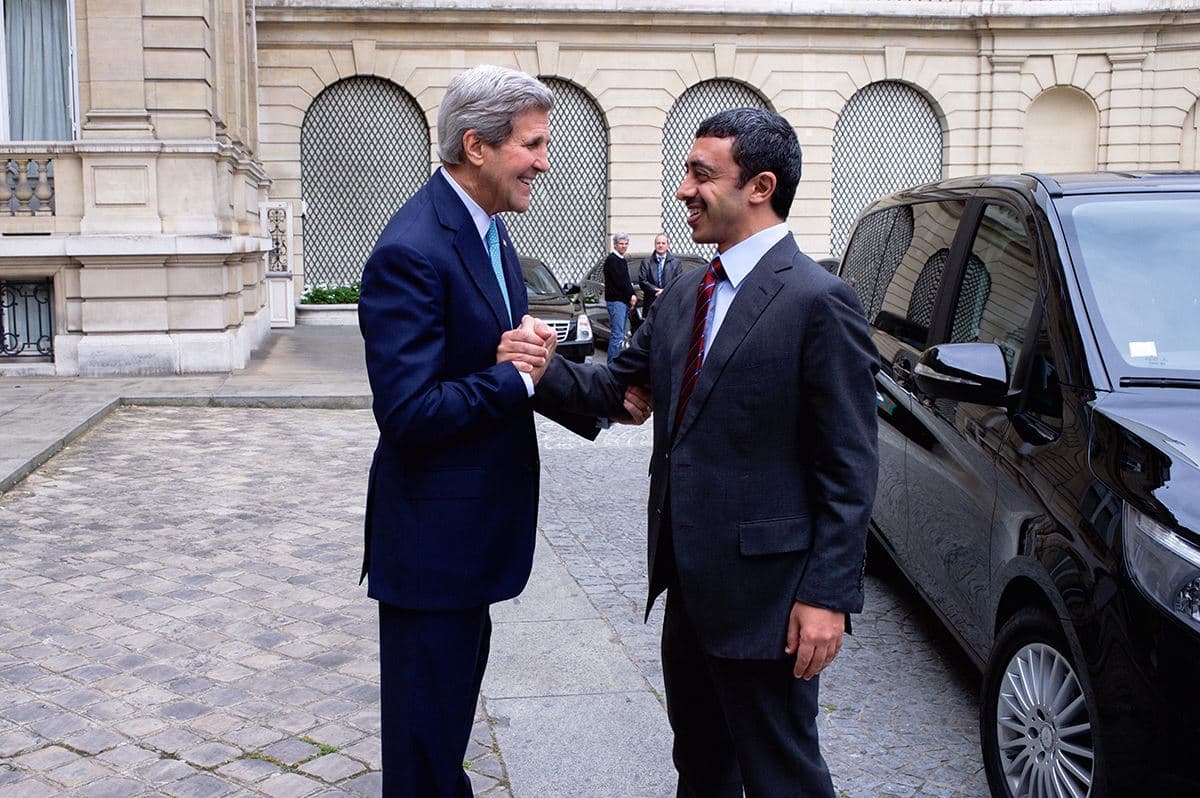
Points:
(453, 492)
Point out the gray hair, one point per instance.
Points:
(619, 237)
(485, 99)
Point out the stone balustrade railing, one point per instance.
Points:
(27, 187)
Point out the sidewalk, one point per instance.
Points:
(569, 712)
(299, 367)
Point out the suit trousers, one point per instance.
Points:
(431, 666)
(739, 724)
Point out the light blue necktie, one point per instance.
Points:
(493, 247)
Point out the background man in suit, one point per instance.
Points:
(657, 270)
(452, 499)
(763, 471)
(619, 296)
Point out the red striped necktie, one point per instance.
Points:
(695, 357)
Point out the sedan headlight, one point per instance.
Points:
(1164, 564)
(583, 329)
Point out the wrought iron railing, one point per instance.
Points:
(278, 228)
(26, 318)
(27, 187)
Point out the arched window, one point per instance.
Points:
(887, 137)
(364, 150)
(693, 107)
(565, 225)
(1062, 128)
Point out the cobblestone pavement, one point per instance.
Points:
(179, 615)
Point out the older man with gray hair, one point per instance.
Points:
(452, 497)
(619, 294)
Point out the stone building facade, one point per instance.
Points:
(323, 113)
(130, 240)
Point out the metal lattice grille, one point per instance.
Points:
(875, 253)
(364, 150)
(693, 107)
(888, 137)
(567, 217)
(26, 318)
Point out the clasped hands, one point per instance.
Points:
(530, 347)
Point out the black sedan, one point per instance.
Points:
(549, 301)
(1039, 440)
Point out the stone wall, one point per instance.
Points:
(981, 66)
(154, 244)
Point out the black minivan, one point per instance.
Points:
(1039, 441)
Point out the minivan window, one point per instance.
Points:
(1137, 253)
(899, 292)
(880, 240)
(999, 287)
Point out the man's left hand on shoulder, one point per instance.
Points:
(814, 636)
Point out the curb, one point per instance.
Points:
(347, 402)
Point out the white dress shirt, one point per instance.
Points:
(737, 263)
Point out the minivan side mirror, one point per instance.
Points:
(976, 373)
(570, 288)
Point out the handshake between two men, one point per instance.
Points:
(531, 346)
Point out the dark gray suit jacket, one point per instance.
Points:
(648, 276)
(770, 478)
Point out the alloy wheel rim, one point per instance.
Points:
(1043, 730)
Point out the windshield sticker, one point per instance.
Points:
(1142, 349)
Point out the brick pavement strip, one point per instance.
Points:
(179, 599)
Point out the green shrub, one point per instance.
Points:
(331, 295)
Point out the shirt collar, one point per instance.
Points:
(478, 215)
(744, 255)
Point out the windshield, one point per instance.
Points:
(538, 279)
(1140, 258)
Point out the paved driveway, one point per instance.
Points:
(179, 615)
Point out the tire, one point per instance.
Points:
(1038, 719)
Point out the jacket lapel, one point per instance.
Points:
(471, 251)
(682, 339)
(754, 295)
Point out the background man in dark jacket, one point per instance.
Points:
(656, 271)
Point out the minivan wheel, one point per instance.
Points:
(1037, 723)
